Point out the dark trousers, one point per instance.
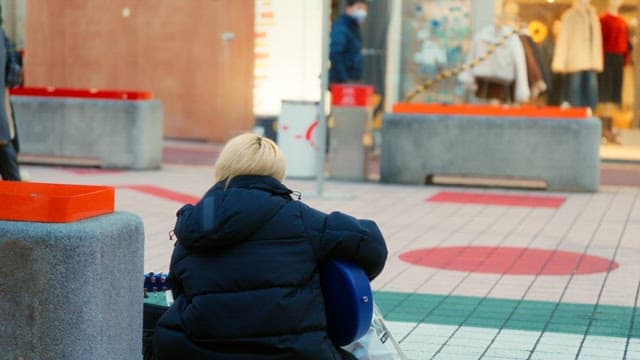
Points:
(558, 90)
(583, 89)
(9, 163)
(151, 313)
(610, 80)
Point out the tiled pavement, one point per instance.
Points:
(492, 295)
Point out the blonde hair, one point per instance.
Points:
(250, 154)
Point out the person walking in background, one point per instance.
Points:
(346, 43)
(245, 268)
(9, 78)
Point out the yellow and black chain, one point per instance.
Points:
(445, 74)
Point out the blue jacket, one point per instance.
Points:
(245, 277)
(345, 50)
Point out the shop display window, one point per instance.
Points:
(437, 35)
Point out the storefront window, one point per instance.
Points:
(543, 19)
(435, 36)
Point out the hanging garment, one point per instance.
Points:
(535, 75)
(505, 65)
(495, 89)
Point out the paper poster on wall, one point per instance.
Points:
(435, 36)
(287, 53)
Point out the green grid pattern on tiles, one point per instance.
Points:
(606, 320)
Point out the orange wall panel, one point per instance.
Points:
(172, 48)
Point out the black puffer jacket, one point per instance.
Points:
(245, 276)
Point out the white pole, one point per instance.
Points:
(324, 82)
(394, 51)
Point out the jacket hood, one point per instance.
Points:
(230, 213)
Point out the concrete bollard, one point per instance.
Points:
(347, 153)
(72, 290)
(352, 109)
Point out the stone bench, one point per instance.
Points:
(109, 129)
(536, 145)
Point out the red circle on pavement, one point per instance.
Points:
(509, 260)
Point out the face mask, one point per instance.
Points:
(359, 15)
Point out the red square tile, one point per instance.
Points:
(497, 199)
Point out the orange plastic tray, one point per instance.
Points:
(42, 202)
(488, 110)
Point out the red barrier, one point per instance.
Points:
(488, 110)
(81, 93)
(351, 95)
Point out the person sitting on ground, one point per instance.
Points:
(244, 270)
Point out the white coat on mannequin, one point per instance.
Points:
(579, 42)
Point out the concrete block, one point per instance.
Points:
(347, 154)
(72, 290)
(564, 153)
(115, 133)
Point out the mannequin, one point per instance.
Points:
(615, 39)
(578, 53)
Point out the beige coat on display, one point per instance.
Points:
(579, 42)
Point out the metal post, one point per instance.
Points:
(324, 82)
(394, 57)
